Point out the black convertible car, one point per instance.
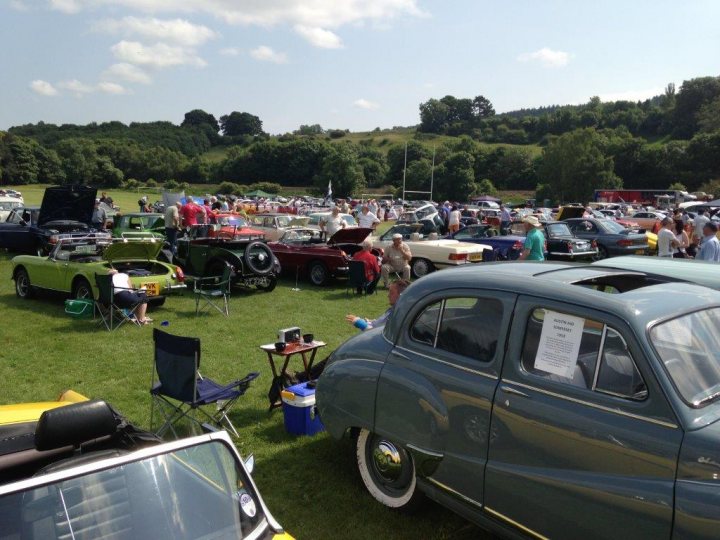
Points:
(64, 209)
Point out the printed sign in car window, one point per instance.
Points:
(559, 345)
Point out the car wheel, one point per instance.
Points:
(258, 258)
(81, 289)
(601, 254)
(421, 267)
(23, 287)
(387, 471)
(318, 273)
(268, 284)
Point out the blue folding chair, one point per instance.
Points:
(180, 391)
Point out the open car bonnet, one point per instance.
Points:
(142, 250)
(67, 203)
(568, 212)
(350, 235)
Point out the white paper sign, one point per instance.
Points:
(559, 344)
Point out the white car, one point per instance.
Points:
(430, 254)
(7, 203)
(274, 225)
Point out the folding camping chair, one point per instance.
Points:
(112, 315)
(181, 392)
(356, 279)
(211, 289)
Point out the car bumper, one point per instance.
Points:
(575, 256)
(628, 250)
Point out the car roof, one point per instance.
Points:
(639, 306)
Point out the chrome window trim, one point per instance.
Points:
(619, 412)
(463, 368)
(598, 359)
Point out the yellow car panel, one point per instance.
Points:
(652, 241)
(30, 412)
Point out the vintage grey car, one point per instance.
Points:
(543, 400)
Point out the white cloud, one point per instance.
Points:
(112, 88)
(319, 37)
(19, 5)
(546, 57)
(43, 88)
(127, 72)
(68, 6)
(230, 51)
(266, 54)
(317, 16)
(76, 87)
(632, 95)
(177, 31)
(160, 55)
(363, 103)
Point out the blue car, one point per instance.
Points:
(506, 248)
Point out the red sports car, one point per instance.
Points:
(303, 251)
(231, 226)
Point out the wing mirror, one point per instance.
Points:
(250, 464)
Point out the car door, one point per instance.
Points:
(584, 443)
(53, 272)
(11, 231)
(435, 391)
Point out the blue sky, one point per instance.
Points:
(340, 63)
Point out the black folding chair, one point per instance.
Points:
(211, 289)
(112, 315)
(179, 391)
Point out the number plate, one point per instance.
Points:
(475, 257)
(152, 289)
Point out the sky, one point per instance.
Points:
(349, 64)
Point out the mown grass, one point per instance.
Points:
(310, 484)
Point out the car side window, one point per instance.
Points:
(547, 356)
(467, 326)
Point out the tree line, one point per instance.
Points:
(584, 147)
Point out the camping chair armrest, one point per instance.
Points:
(240, 383)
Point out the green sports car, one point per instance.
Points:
(74, 261)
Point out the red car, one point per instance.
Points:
(303, 251)
(230, 226)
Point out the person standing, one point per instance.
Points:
(396, 259)
(344, 207)
(505, 219)
(534, 248)
(367, 219)
(99, 217)
(192, 213)
(172, 225)
(710, 246)
(333, 223)
(699, 224)
(683, 241)
(454, 220)
(666, 241)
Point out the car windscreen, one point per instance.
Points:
(231, 221)
(558, 229)
(9, 205)
(283, 221)
(689, 347)
(612, 227)
(301, 236)
(195, 492)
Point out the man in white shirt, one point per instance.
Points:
(666, 241)
(333, 223)
(700, 220)
(367, 219)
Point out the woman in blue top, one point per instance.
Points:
(534, 248)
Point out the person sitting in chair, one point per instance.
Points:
(397, 258)
(126, 296)
(394, 292)
(372, 266)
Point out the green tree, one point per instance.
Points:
(240, 123)
(314, 129)
(454, 178)
(708, 117)
(691, 98)
(341, 167)
(417, 177)
(482, 107)
(575, 164)
(485, 187)
(198, 117)
(434, 116)
(678, 186)
(396, 159)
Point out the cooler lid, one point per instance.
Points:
(301, 390)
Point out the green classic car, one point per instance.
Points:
(73, 263)
(140, 225)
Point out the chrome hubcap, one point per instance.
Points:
(22, 285)
(387, 460)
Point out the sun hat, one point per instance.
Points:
(532, 220)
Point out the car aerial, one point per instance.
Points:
(73, 262)
(545, 400)
(506, 248)
(82, 471)
(206, 250)
(274, 225)
(64, 209)
(561, 243)
(612, 238)
(7, 204)
(303, 252)
(139, 225)
(430, 253)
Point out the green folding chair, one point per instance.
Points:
(213, 292)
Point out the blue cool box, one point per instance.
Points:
(299, 410)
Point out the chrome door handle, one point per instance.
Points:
(511, 390)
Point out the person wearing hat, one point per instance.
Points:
(710, 246)
(534, 248)
(396, 259)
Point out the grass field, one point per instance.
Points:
(310, 484)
